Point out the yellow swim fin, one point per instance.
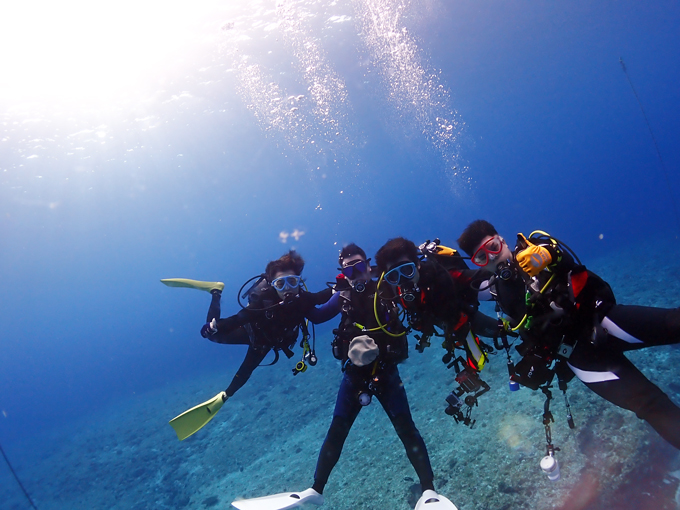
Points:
(193, 420)
(193, 284)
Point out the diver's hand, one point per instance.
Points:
(533, 259)
(209, 329)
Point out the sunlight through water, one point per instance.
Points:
(92, 52)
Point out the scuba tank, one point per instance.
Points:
(255, 294)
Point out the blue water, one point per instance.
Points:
(346, 121)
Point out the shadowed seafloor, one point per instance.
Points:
(266, 439)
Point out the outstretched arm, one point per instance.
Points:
(322, 297)
(238, 336)
(218, 330)
(325, 312)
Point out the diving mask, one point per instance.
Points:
(487, 252)
(355, 269)
(407, 271)
(286, 282)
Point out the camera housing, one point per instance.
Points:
(468, 382)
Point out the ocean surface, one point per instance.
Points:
(147, 140)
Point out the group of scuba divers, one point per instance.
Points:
(562, 319)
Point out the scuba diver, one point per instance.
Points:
(370, 342)
(570, 324)
(433, 285)
(272, 320)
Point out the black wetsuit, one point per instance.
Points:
(445, 299)
(379, 379)
(276, 327)
(577, 312)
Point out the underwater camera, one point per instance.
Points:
(468, 382)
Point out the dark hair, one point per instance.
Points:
(473, 235)
(395, 249)
(349, 250)
(291, 261)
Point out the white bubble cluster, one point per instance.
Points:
(413, 89)
(311, 120)
(287, 80)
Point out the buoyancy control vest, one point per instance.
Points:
(272, 324)
(439, 303)
(553, 311)
(358, 318)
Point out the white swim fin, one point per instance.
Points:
(430, 500)
(282, 501)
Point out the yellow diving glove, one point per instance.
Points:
(533, 259)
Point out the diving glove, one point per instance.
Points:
(209, 329)
(533, 259)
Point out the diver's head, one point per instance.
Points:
(355, 266)
(284, 274)
(486, 248)
(398, 260)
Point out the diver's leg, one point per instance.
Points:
(613, 377)
(347, 408)
(252, 360)
(392, 397)
(635, 327)
(214, 309)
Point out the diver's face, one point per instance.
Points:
(490, 252)
(355, 268)
(286, 284)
